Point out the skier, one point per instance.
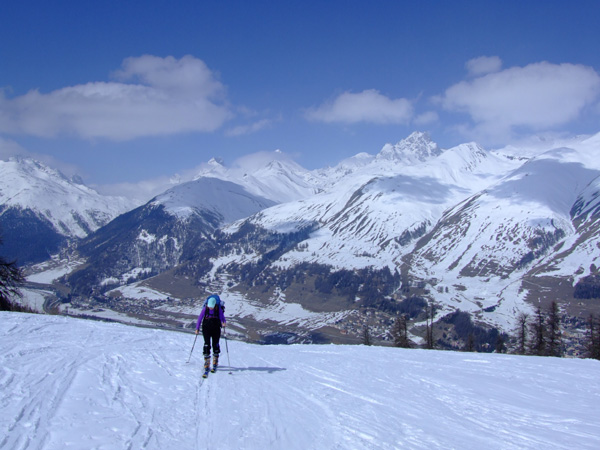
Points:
(212, 318)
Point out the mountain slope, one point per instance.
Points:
(268, 175)
(524, 215)
(374, 216)
(480, 250)
(491, 234)
(93, 384)
(40, 209)
(161, 234)
(464, 229)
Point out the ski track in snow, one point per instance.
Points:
(74, 384)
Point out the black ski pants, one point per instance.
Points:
(211, 331)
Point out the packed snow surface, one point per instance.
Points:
(69, 383)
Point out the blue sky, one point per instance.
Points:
(127, 91)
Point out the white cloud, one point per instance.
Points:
(367, 106)
(177, 76)
(426, 118)
(248, 129)
(167, 96)
(140, 192)
(10, 148)
(535, 97)
(483, 65)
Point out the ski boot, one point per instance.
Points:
(215, 363)
(206, 365)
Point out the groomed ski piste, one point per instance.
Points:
(68, 383)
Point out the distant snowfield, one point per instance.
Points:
(34, 299)
(139, 291)
(50, 271)
(68, 383)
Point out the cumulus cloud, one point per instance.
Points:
(483, 65)
(367, 106)
(176, 76)
(151, 96)
(535, 97)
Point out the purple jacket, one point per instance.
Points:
(207, 312)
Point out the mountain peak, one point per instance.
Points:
(216, 162)
(76, 179)
(416, 148)
(73, 208)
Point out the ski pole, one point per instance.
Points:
(227, 348)
(192, 348)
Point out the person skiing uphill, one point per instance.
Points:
(211, 318)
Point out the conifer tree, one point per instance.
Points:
(400, 332)
(430, 311)
(500, 343)
(11, 277)
(522, 320)
(538, 344)
(470, 345)
(555, 345)
(366, 335)
(593, 337)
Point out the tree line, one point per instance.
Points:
(541, 334)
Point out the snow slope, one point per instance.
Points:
(224, 199)
(71, 207)
(271, 175)
(374, 212)
(68, 383)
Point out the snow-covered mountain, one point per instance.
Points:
(491, 233)
(224, 200)
(525, 225)
(418, 147)
(40, 208)
(162, 233)
(69, 383)
(465, 228)
(375, 216)
(269, 175)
